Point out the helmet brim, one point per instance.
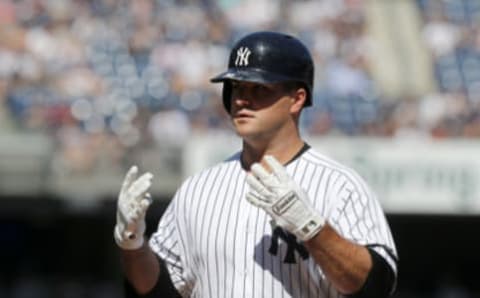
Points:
(250, 75)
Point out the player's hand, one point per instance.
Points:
(132, 205)
(283, 199)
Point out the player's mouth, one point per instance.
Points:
(242, 114)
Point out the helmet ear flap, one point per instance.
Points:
(227, 94)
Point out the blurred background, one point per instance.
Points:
(90, 87)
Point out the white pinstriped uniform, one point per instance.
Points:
(216, 244)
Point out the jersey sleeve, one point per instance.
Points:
(358, 216)
(165, 243)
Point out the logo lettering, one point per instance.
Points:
(284, 203)
(242, 56)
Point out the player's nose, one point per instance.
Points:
(241, 101)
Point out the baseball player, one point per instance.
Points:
(277, 219)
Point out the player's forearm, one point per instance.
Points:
(141, 268)
(345, 263)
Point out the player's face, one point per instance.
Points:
(260, 110)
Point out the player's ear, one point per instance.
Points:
(299, 96)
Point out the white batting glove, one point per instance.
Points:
(283, 200)
(133, 202)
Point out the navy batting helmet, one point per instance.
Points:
(268, 57)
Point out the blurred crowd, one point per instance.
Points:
(114, 75)
(452, 35)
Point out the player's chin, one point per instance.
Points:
(245, 129)
(242, 123)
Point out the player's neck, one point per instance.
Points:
(283, 151)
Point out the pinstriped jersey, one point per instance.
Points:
(216, 244)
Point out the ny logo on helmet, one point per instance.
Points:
(242, 56)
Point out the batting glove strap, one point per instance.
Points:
(310, 228)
